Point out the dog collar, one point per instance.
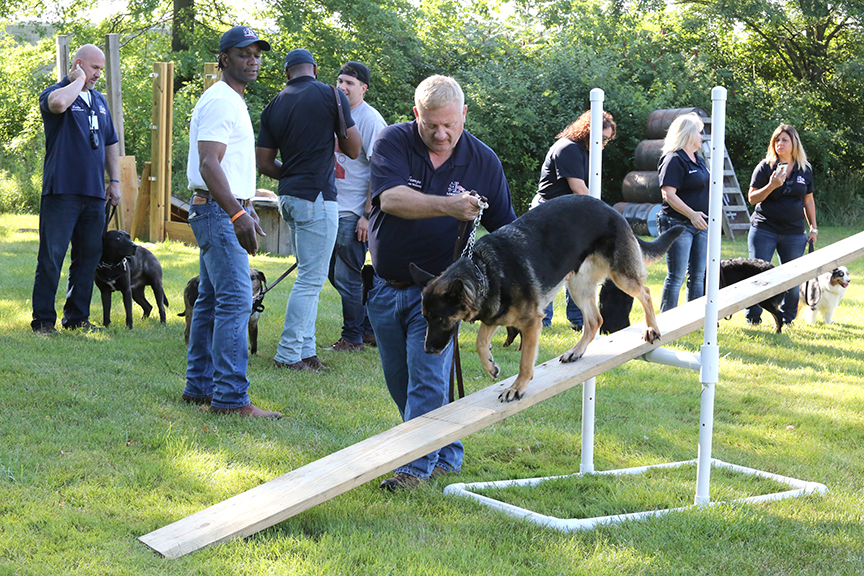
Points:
(105, 266)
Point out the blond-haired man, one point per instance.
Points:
(422, 173)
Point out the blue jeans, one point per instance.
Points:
(313, 231)
(687, 255)
(65, 218)
(418, 382)
(218, 343)
(762, 244)
(574, 314)
(349, 255)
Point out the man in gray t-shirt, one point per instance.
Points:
(352, 185)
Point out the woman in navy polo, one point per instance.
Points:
(782, 189)
(684, 181)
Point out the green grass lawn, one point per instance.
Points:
(96, 449)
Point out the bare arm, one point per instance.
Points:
(112, 166)
(246, 226)
(577, 186)
(59, 100)
(265, 159)
(698, 219)
(810, 214)
(352, 144)
(410, 204)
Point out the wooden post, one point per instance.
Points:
(128, 191)
(212, 74)
(62, 56)
(114, 92)
(141, 218)
(160, 146)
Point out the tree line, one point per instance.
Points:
(527, 72)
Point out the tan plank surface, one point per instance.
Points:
(316, 482)
(180, 231)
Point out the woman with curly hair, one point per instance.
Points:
(782, 190)
(565, 171)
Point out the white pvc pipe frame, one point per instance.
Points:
(707, 362)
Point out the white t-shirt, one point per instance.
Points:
(352, 176)
(221, 116)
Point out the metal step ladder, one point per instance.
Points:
(736, 215)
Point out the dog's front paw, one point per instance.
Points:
(511, 394)
(571, 356)
(651, 335)
(494, 371)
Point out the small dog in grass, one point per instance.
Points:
(820, 296)
(190, 295)
(128, 268)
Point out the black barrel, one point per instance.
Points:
(641, 217)
(641, 187)
(660, 120)
(648, 154)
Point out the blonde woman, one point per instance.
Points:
(782, 190)
(684, 181)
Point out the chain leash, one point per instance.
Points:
(469, 247)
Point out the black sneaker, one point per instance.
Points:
(400, 481)
(754, 321)
(84, 326)
(45, 329)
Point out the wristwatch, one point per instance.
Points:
(366, 215)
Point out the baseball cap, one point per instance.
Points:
(240, 37)
(357, 70)
(298, 56)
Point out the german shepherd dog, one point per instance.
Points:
(190, 295)
(515, 272)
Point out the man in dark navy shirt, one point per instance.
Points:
(422, 173)
(300, 124)
(80, 145)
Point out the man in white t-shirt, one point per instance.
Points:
(352, 184)
(222, 175)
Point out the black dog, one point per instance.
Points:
(516, 270)
(127, 268)
(738, 269)
(259, 283)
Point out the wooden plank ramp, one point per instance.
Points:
(319, 481)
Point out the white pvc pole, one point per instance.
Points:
(589, 386)
(710, 349)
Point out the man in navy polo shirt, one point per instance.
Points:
(80, 144)
(299, 124)
(422, 173)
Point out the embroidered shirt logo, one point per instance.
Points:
(692, 171)
(102, 110)
(77, 108)
(415, 183)
(455, 188)
(801, 180)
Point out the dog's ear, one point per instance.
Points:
(259, 275)
(456, 291)
(419, 275)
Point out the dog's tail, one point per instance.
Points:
(653, 251)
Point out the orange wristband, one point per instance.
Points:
(237, 215)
